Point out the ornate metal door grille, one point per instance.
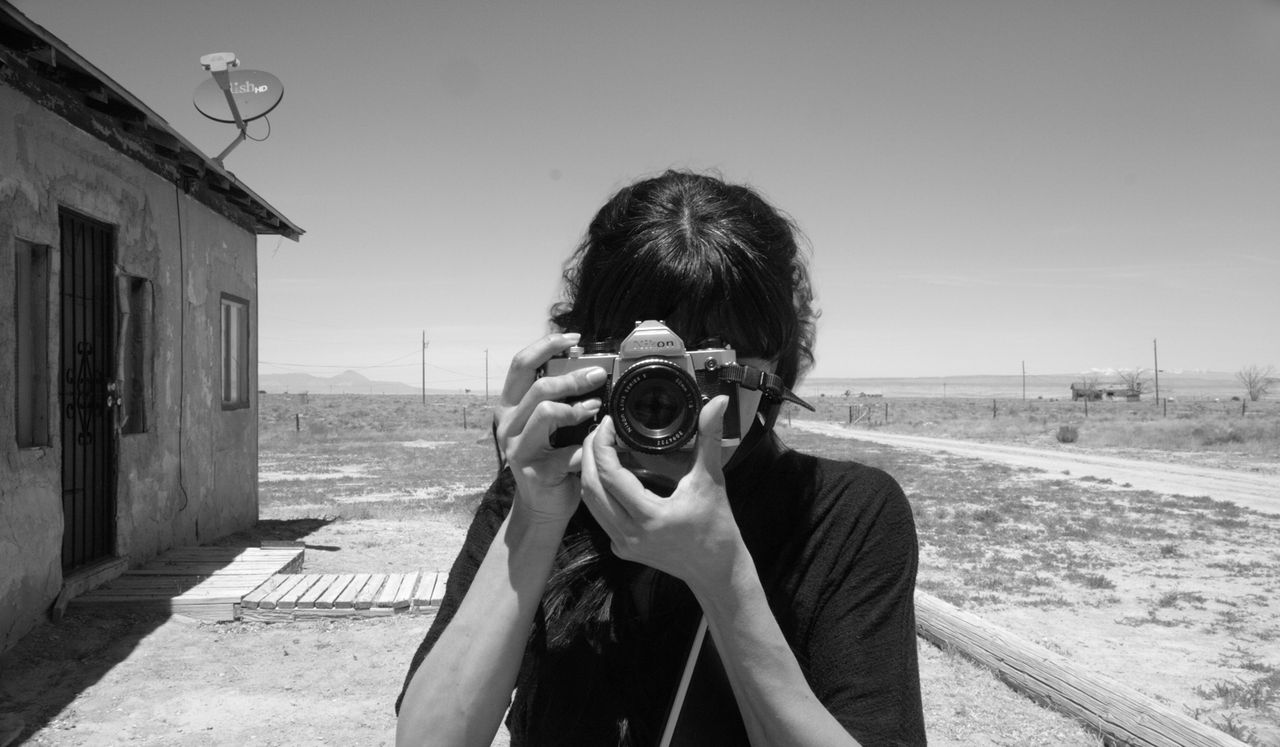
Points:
(85, 392)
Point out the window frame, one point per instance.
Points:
(135, 355)
(234, 327)
(33, 291)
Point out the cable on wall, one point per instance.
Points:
(182, 348)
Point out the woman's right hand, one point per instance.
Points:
(463, 687)
(529, 411)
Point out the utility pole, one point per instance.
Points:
(1155, 353)
(1024, 381)
(424, 367)
(486, 376)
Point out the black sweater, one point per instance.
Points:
(835, 547)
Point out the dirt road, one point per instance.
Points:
(1257, 491)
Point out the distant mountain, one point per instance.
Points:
(347, 382)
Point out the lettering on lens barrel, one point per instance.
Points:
(654, 388)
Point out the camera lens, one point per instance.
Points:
(655, 406)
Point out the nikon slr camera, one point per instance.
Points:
(654, 389)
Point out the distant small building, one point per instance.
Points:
(128, 321)
(1095, 391)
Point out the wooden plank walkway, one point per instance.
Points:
(295, 596)
(206, 583)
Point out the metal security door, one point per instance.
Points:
(86, 393)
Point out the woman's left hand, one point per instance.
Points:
(691, 534)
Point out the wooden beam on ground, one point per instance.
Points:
(404, 595)
(253, 598)
(437, 594)
(389, 596)
(202, 582)
(277, 595)
(1121, 713)
(364, 598)
(430, 591)
(85, 580)
(422, 597)
(326, 600)
(308, 599)
(347, 599)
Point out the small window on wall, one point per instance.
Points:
(137, 326)
(235, 353)
(31, 351)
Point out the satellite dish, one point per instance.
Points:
(235, 96)
(255, 92)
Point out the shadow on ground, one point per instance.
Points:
(279, 530)
(55, 662)
(45, 672)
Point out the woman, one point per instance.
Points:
(586, 588)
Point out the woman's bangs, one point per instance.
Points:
(735, 315)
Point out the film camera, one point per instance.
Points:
(654, 388)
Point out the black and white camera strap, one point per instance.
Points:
(755, 379)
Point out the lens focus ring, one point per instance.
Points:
(655, 405)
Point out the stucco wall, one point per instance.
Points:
(192, 476)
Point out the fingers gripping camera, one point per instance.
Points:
(655, 388)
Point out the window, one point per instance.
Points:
(137, 325)
(31, 353)
(235, 353)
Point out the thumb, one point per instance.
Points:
(710, 432)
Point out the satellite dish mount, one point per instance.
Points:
(235, 96)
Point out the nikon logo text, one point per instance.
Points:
(646, 344)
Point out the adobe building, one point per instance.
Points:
(128, 325)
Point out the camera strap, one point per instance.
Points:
(686, 676)
(755, 379)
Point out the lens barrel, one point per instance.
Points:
(654, 405)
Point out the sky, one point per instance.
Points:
(983, 184)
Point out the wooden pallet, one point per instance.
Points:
(206, 583)
(294, 596)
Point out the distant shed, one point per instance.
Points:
(128, 317)
(1093, 391)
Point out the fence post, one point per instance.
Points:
(993, 409)
(850, 414)
(464, 418)
(297, 422)
(886, 413)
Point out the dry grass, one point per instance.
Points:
(364, 457)
(1117, 567)
(1172, 594)
(1202, 426)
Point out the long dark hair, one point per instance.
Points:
(710, 259)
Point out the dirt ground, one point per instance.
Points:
(105, 679)
(1190, 619)
(127, 679)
